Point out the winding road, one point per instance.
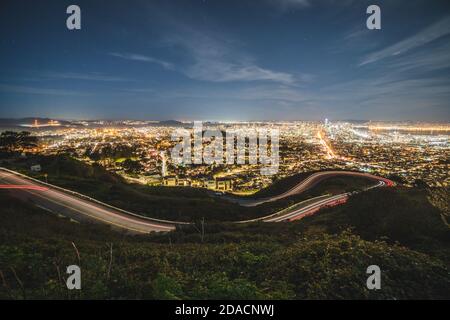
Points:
(80, 207)
(308, 183)
(77, 206)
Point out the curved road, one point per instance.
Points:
(76, 206)
(81, 207)
(306, 184)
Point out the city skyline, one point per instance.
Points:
(239, 61)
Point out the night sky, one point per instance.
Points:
(225, 60)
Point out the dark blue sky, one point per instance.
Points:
(225, 60)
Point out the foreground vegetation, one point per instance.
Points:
(321, 257)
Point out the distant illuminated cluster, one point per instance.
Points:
(140, 151)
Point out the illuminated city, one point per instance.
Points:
(407, 152)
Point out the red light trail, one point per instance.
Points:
(22, 187)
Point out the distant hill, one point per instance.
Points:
(173, 123)
(16, 122)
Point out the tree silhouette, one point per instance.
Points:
(16, 141)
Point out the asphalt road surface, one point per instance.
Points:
(77, 208)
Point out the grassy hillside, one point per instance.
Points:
(331, 185)
(309, 259)
(401, 215)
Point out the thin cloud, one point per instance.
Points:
(422, 61)
(289, 4)
(216, 58)
(222, 71)
(357, 33)
(429, 34)
(143, 58)
(40, 91)
(85, 76)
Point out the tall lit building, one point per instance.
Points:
(164, 165)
